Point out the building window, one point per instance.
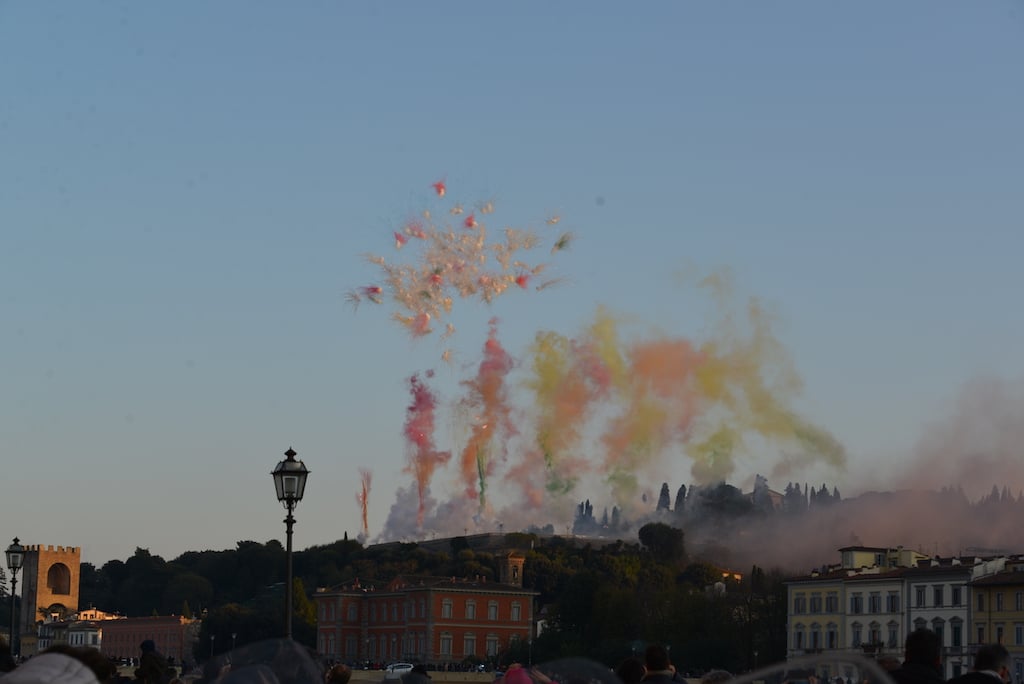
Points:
(894, 636)
(492, 611)
(937, 595)
(373, 612)
(471, 610)
(999, 634)
(831, 636)
(469, 645)
(446, 644)
(394, 611)
(919, 597)
(938, 626)
(815, 603)
(856, 604)
(423, 609)
(892, 602)
(350, 647)
(517, 611)
(981, 604)
(999, 601)
(394, 644)
(981, 634)
(798, 637)
(1018, 601)
(875, 602)
(446, 608)
(815, 637)
(957, 598)
(1018, 634)
(832, 602)
(492, 645)
(799, 604)
(956, 634)
(353, 612)
(875, 633)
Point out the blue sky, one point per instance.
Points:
(186, 190)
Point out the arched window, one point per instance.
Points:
(58, 579)
(894, 635)
(815, 636)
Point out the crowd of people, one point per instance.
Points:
(281, 661)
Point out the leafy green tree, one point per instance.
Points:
(304, 615)
(185, 587)
(664, 542)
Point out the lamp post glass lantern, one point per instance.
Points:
(15, 557)
(290, 483)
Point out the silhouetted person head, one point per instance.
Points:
(631, 670)
(994, 658)
(100, 665)
(923, 647)
(339, 674)
(716, 677)
(656, 658)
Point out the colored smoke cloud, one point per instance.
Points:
(603, 407)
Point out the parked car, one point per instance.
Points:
(396, 670)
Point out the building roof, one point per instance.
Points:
(949, 566)
(403, 583)
(877, 576)
(1000, 579)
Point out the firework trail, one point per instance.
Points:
(486, 400)
(424, 459)
(363, 497)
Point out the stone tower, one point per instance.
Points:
(511, 569)
(50, 575)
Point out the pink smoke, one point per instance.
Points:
(424, 459)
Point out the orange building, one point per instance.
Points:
(174, 636)
(433, 620)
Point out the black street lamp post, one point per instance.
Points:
(15, 557)
(290, 483)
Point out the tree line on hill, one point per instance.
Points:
(706, 505)
(602, 601)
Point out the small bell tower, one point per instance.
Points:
(511, 570)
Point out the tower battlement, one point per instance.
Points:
(50, 548)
